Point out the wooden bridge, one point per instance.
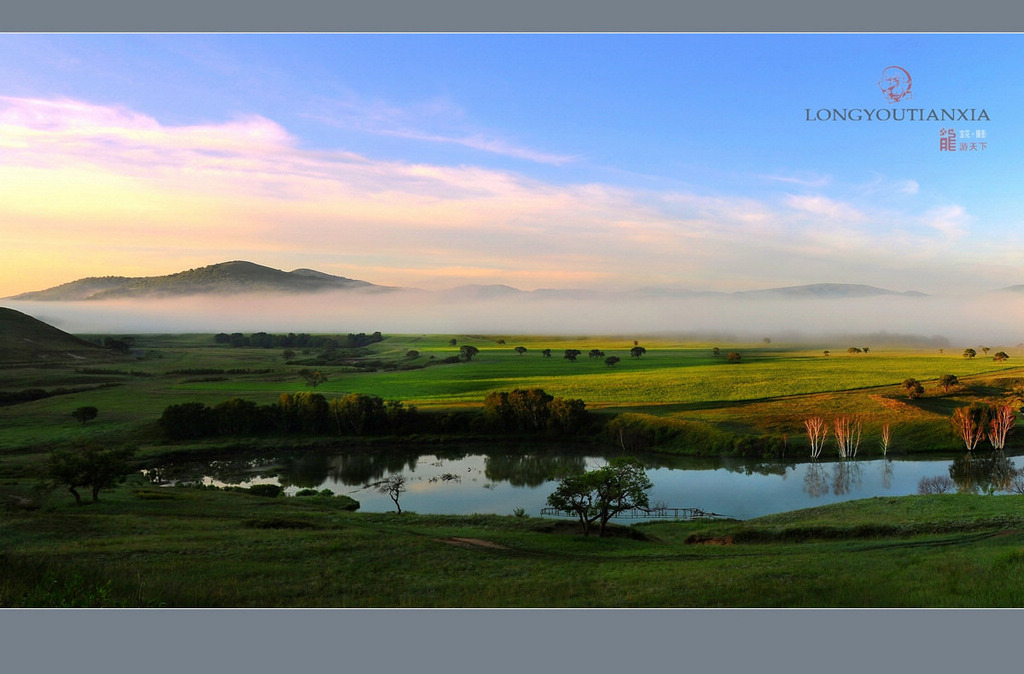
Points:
(646, 513)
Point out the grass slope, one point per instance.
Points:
(144, 546)
(26, 339)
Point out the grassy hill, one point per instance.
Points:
(224, 278)
(24, 339)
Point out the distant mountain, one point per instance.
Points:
(27, 339)
(238, 277)
(226, 278)
(827, 290)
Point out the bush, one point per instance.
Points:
(266, 490)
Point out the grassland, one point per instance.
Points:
(149, 547)
(770, 391)
(144, 546)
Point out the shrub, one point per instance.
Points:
(266, 490)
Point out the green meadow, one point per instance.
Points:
(770, 390)
(146, 546)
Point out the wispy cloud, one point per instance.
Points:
(434, 121)
(108, 190)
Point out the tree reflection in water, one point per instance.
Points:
(982, 473)
(815, 483)
(531, 470)
(887, 473)
(838, 479)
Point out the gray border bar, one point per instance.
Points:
(504, 16)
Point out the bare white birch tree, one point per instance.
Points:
(847, 428)
(886, 437)
(817, 431)
(1000, 425)
(966, 425)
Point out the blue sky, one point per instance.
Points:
(574, 160)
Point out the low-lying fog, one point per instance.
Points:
(993, 319)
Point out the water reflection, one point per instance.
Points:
(531, 470)
(466, 479)
(982, 473)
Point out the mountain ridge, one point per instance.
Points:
(234, 277)
(240, 277)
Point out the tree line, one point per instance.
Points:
(357, 414)
(264, 340)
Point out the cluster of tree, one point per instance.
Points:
(294, 413)
(533, 410)
(978, 421)
(298, 341)
(999, 356)
(122, 345)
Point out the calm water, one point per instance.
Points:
(499, 482)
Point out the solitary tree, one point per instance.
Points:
(853, 349)
(596, 353)
(393, 486)
(466, 352)
(985, 350)
(313, 377)
(520, 350)
(546, 353)
(90, 467)
(571, 354)
(913, 388)
(715, 351)
(948, 381)
(637, 351)
(84, 414)
(826, 352)
(733, 357)
(970, 353)
(611, 360)
(886, 438)
(598, 495)
(1000, 356)
(452, 341)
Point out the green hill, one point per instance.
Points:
(24, 339)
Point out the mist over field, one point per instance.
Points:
(993, 319)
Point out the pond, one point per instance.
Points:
(468, 481)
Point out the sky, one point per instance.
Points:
(597, 161)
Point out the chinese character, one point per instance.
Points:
(980, 133)
(965, 133)
(947, 140)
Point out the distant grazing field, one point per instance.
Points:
(771, 389)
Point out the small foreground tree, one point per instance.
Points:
(90, 467)
(467, 351)
(598, 495)
(393, 486)
(948, 381)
